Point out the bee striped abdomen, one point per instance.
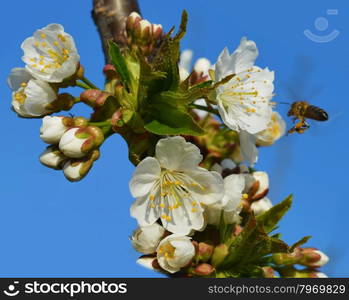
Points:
(315, 113)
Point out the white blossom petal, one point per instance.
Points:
(175, 153)
(248, 147)
(144, 177)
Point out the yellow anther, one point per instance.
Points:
(151, 197)
(194, 203)
(36, 44)
(168, 219)
(61, 37)
(24, 84)
(43, 35)
(34, 65)
(55, 43)
(20, 97)
(194, 210)
(163, 216)
(43, 44)
(244, 196)
(162, 205)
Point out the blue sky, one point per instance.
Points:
(50, 227)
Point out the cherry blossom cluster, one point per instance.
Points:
(193, 135)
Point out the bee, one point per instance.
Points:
(302, 110)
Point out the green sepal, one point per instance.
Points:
(300, 242)
(271, 217)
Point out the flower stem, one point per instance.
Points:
(100, 124)
(89, 83)
(82, 85)
(205, 108)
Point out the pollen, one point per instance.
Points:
(61, 37)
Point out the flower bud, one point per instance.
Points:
(291, 272)
(53, 128)
(202, 65)
(77, 142)
(219, 254)
(157, 31)
(205, 251)
(94, 98)
(146, 239)
(287, 259)
(77, 169)
(109, 71)
(204, 269)
(175, 252)
(261, 206)
(313, 258)
(53, 158)
(268, 272)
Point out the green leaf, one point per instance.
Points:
(300, 242)
(270, 218)
(177, 124)
(120, 64)
(251, 246)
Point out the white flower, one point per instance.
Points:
(52, 129)
(147, 262)
(53, 158)
(322, 261)
(172, 186)
(230, 205)
(248, 147)
(184, 64)
(243, 102)
(30, 96)
(76, 169)
(146, 239)
(50, 54)
(175, 252)
(72, 170)
(261, 179)
(276, 129)
(202, 66)
(72, 145)
(320, 275)
(261, 206)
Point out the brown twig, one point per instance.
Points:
(109, 17)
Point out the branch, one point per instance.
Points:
(109, 17)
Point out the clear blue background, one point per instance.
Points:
(50, 227)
